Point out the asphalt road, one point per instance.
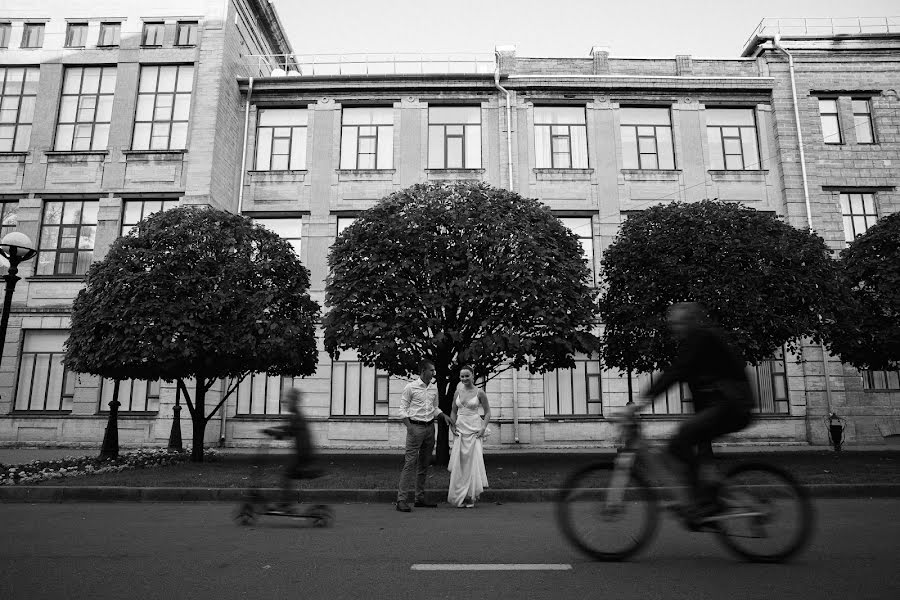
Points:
(194, 550)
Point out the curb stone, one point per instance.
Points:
(45, 493)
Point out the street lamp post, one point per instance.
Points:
(14, 247)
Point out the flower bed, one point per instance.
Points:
(75, 466)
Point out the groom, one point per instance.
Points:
(419, 410)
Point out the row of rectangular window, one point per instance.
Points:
(85, 111)
(186, 34)
(68, 228)
(357, 390)
(454, 138)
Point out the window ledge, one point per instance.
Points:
(737, 171)
(41, 413)
(365, 171)
(78, 278)
(131, 414)
(259, 417)
(651, 174)
(279, 172)
(145, 152)
(14, 154)
(573, 418)
(561, 171)
(460, 171)
(76, 152)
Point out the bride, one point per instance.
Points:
(468, 477)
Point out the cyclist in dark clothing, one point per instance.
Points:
(721, 392)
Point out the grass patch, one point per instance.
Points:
(504, 471)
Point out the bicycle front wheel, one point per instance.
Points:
(607, 519)
(767, 516)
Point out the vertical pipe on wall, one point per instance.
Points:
(776, 42)
(509, 157)
(240, 206)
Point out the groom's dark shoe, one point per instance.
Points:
(402, 506)
(423, 504)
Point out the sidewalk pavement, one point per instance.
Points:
(48, 493)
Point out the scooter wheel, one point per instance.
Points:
(245, 516)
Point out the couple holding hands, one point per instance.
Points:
(419, 410)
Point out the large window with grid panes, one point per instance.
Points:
(646, 137)
(43, 383)
(584, 229)
(288, 228)
(18, 91)
(281, 139)
(66, 245)
(163, 107)
(732, 136)
(367, 138)
(768, 380)
(9, 217)
(858, 212)
(574, 392)
(259, 394)
(560, 137)
(135, 211)
(881, 380)
(135, 395)
(85, 108)
(358, 390)
(454, 137)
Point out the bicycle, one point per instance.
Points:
(765, 514)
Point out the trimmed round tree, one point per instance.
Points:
(460, 274)
(765, 282)
(195, 293)
(867, 335)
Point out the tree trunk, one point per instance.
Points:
(442, 449)
(199, 421)
(110, 447)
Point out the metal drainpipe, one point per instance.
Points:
(512, 186)
(515, 387)
(515, 406)
(240, 206)
(776, 42)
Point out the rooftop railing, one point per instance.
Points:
(296, 65)
(824, 27)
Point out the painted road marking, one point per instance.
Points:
(491, 567)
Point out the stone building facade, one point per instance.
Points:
(303, 146)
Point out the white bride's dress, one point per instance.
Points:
(468, 477)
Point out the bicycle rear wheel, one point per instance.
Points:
(603, 522)
(767, 516)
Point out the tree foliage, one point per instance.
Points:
(867, 334)
(195, 293)
(462, 274)
(765, 282)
